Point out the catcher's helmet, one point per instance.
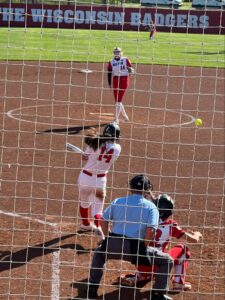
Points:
(117, 51)
(111, 131)
(165, 205)
(141, 183)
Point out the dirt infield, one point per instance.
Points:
(43, 106)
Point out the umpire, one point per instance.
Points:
(134, 220)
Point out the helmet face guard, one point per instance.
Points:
(141, 183)
(117, 52)
(111, 131)
(165, 205)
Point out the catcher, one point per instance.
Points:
(180, 253)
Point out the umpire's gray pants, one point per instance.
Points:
(120, 248)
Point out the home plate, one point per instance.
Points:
(85, 71)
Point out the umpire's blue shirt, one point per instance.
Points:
(131, 215)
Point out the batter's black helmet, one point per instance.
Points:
(165, 205)
(111, 131)
(141, 183)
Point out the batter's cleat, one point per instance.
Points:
(99, 234)
(179, 287)
(156, 295)
(85, 228)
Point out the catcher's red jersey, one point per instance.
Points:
(168, 228)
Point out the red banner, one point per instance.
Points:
(112, 18)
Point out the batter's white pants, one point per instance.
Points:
(88, 186)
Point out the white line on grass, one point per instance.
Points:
(55, 256)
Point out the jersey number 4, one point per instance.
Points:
(105, 155)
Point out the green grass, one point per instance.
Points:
(96, 46)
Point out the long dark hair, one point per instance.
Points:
(94, 140)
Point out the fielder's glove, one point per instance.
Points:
(131, 70)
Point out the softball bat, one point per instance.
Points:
(74, 148)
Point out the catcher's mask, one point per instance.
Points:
(165, 205)
(141, 183)
(117, 52)
(111, 131)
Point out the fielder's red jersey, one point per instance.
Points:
(119, 67)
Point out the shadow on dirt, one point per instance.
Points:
(120, 292)
(71, 130)
(13, 260)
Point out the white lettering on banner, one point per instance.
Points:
(119, 18)
(68, 16)
(178, 20)
(19, 15)
(58, 16)
(13, 14)
(110, 18)
(102, 15)
(90, 17)
(79, 17)
(135, 19)
(37, 15)
(181, 20)
(204, 21)
(147, 19)
(170, 20)
(7, 14)
(159, 19)
(192, 21)
(49, 15)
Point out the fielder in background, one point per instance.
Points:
(152, 30)
(101, 152)
(119, 69)
(134, 220)
(180, 253)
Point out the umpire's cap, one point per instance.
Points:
(141, 183)
(111, 130)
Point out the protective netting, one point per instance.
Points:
(53, 89)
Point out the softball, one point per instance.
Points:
(198, 122)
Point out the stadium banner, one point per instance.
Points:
(112, 18)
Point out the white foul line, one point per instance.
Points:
(27, 218)
(55, 256)
(101, 114)
(55, 275)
